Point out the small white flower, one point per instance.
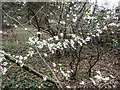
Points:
(54, 69)
(82, 83)
(99, 31)
(39, 86)
(79, 43)
(87, 39)
(20, 61)
(36, 39)
(50, 39)
(68, 15)
(98, 72)
(25, 29)
(39, 33)
(8, 54)
(62, 72)
(45, 42)
(45, 78)
(45, 54)
(98, 77)
(13, 55)
(74, 15)
(21, 65)
(68, 71)
(61, 34)
(4, 70)
(17, 57)
(58, 6)
(62, 22)
(68, 87)
(54, 65)
(93, 81)
(75, 19)
(93, 35)
(20, 58)
(1, 32)
(1, 59)
(52, 51)
(97, 34)
(105, 79)
(16, 61)
(15, 26)
(5, 63)
(111, 76)
(112, 24)
(25, 58)
(60, 64)
(56, 37)
(65, 44)
(71, 70)
(28, 55)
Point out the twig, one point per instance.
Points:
(29, 69)
(49, 68)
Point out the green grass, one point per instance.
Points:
(22, 29)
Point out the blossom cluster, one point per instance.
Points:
(58, 43)
(3, 63)
(65, 74)
(100, 78)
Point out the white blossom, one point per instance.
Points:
(1, 32)
(25, 58)
(93, 35)
(74, 19)
(98, 72)
(25, 28)
(68, 15)
(98, 77)
(105, 79)
(20, 61)
(61, 34)
(45, 54)
(71, 70)
(15, 26)
(58, 6)
(50, 39)
(45, 78)
(65, 44)
(52, 51)
(4, 70)
(4, 63)
(1, 59)
(60, 64)
(16, 56)
(87, 39)
(56, 37)
(82, 83)
(93, 81)
(44, 42)
(68, 71)
(54, 65)
(39, 33)
(20, 58)
(40, 46)
(36, 39)
(21, 65)
(112, 24)
(72, 43)
(99, 31)
(62, 22)
(111, 76)
(97, 34)
(68, 87)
